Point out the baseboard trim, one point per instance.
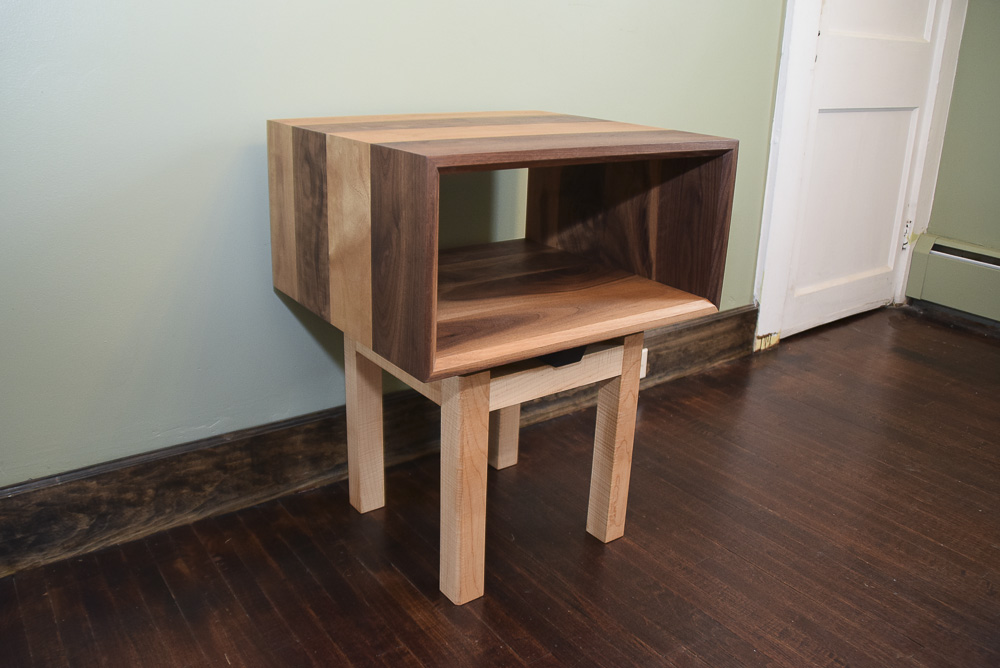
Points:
(81, 511)
(953, 318)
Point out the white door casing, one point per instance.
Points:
(862, 101)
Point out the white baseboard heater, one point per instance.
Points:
(956, 274)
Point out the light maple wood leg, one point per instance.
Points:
(609, 478)
(505, 425)
(465, 411)
(365, 457)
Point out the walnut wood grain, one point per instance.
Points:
(494, 313)
(555, 149)
(404, 252)
(696, 201)
(311, 231)
(607, 212)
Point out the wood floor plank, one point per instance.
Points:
(906, 502)
(163, 609)
(875, 552)
(128, 600)
(381, 643)
(217, 623)
(241, 628)
(72, 620)
(39, 619)
(312, 632)
(866, 571)
(949, 568)
(14, 649)
(350, 634)
(113, 631)
(807, 570)
(272, 628)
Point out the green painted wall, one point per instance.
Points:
(967, 197)
(136, 308)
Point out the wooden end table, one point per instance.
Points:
(626, 231)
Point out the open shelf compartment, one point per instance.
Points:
(508, 301)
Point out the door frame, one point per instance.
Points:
(787, 160)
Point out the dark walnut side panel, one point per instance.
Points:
(311, 242)
(606, 212)
(404, 200)
(696, 203)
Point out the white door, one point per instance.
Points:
(855, 148)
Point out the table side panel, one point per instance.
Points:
(404, 205)
(606, 212)
(696, 202)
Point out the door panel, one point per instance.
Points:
(873, 67)
(866, 153)
(889, 18)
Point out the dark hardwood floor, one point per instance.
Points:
(834, 502)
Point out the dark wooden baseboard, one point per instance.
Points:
(84, 510)
(953, 318)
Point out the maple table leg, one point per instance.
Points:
(365, 456)
(505, 424)
(465, 410)
(616, 406)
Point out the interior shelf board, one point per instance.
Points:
(508, 301)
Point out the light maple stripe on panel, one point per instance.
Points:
(350, 237)
(324, 120)
(282, 201)
(402, 124)
(396, 135)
